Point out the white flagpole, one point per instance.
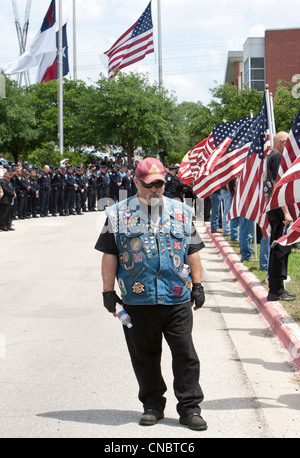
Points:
(272, 115)
(60, 90)
(159, 45)
(74, 42)
(269, 115)
(254, 223)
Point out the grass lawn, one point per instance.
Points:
(292, 308)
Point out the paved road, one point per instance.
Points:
(64, 368)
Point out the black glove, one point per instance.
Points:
(110, 299)
(198, 295)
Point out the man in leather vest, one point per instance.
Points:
(151, 246)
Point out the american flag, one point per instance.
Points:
(249, 199)
(185, 173)
(287, 190)
(292, 236)
(133, 45)
(221, 157)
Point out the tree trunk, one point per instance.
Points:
(15, 154)
(130, 152)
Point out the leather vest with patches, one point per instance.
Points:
(152, 265)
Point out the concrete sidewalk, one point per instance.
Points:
(280, 322)
(64, 366)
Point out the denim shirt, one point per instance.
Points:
(152, 265)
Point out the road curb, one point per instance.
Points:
(282, 325)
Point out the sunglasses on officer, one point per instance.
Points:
(156, 184)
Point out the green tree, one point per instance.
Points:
(44, 100)
(286, 106)
(130, 112)
(187, 111)
(229, 103)
(17, 122)
(47, 153)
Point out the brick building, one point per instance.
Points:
(265, 60)
(282, 55)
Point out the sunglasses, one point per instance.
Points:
(156, 184)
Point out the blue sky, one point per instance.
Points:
(196, 36)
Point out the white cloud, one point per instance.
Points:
(196, 36)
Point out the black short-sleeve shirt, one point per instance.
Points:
(274, 164)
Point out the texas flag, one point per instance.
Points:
(44, 43)
(48, 68)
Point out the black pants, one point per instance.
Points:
(22, 206)
(92, 195)
(31, 205)
(44, 201)
(103, 198)
(144, 341)
(5, 215)
(278, 259)
(79, 201)
(69, 201)
(58, 201)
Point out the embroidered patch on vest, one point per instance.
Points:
(138, 257)
(136, 244)
(177, 245)
(138, 288)
(177, 260)
(122, 287)
(177, 290)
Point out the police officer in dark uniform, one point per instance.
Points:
(44, 182)
(6, 202)
(23, 187)
(32, 195)
(58, 185)
(70, 190)
(92, 190)
(85, 192)
(79, 180)
(103, 188)
(51, 199)
(115, 183)
(13, 181)
(173, 186)
(127, 183)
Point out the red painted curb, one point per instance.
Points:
(281, 324)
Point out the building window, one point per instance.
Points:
(258, 85)
(255, 73)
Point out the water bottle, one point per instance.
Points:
(123, 316)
